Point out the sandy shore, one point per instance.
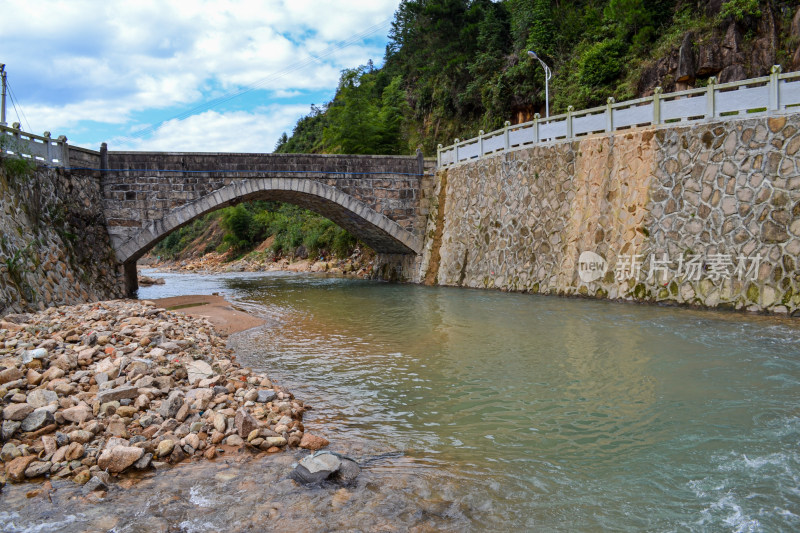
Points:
(225, 319)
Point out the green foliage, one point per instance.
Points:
(247, 225)
(739, 10)
(601, 63)
(16, 168)
(364, 118)
(241, 230)
(293, 226)
(179, 240)
(453, 67)
(307, 135)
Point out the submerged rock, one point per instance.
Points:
(313, 442)
(325, 465)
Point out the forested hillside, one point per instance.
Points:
(453, 67)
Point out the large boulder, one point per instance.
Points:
(78, 414)
(313, 442)
(170, 407)
(16, 468)
(10, 374)
(686, 62)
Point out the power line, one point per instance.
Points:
(17, 106)
(263, 81)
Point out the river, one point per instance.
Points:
(474, 410)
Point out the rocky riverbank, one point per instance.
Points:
(95, 391)
(360, 264)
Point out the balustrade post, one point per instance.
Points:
(64, 151)
(570, 109)
(711, 94)
(536, 117)
(16, 146)
(506, 140)
(455, 151)
(47, 152)
(774, 94)
(439, 156)
(480, 143)
(610, 114)
(103, 158)
(657, 105)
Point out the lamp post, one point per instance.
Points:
(547, 75)
(3, 94)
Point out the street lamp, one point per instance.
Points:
(547, 75)
(3, 94)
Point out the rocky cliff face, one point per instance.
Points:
(54, 246)
(732, 50)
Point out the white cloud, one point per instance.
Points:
(211, 131)
(79, 60)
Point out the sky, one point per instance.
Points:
(192, 75)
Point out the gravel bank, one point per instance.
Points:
(94, 391)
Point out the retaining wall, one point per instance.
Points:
(54, 246)
(707, 215)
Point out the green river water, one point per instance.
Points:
(475, 410)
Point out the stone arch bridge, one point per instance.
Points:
(148, 195)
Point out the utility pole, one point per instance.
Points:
(3, 95)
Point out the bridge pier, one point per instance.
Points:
(396, 267)
(131, 279)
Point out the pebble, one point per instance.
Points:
(164, 448)
(118, 458)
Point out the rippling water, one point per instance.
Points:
(477, 409)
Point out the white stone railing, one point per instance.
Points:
(771, 94)
(39, 149)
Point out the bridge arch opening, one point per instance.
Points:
(376, 230)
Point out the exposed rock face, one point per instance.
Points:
(686, 69)
(733, 51)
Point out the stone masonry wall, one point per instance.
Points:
(54, 247)
(706, 215)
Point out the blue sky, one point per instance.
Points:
(150, 75)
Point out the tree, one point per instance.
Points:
(282, 140)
